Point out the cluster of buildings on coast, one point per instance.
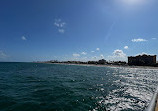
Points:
(101, 62)
(140, 60)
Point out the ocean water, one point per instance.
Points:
(51, 87)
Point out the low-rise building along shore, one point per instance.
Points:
(140, 60)
(99, 62)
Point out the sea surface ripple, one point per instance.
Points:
(52, 87)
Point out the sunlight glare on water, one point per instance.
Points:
(45, 87)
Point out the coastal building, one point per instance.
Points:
(92, 62)
(102, 61)
(142, 60)
(119, 63)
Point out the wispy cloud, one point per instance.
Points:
(125, 47)
(98, 57)
(61, 30)
(76, 55)
(141, 53)
(139, 40)
(102, 56)
(97, 49)
(84, 53)
(92, 51)
(94, 58)
(60, 25)
(110, 29)
(144, 53)
(3, 55)
(153, 38)
(23, 38)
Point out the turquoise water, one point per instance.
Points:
(50, 87)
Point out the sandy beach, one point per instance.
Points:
(106, 65)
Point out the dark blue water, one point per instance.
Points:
(50, 87)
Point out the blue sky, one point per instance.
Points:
(32, 30)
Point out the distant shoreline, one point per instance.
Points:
(106, 65)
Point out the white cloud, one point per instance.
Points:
(83, 53)
(102, 56)
(94, 57)
(57, 22)
(141, 53)
(23, 38)
(92, 51)
(97, 49)
(61, 30)
(138, 40)
(97, 57)
(2, 55)
(118, 55)
(60, 25)
(84, 59)
(125, 47)
(144, 53)
(110, 29)
(76, 55)
(153, 38)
